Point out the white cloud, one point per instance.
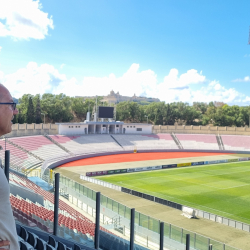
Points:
(24, 19)
(245, 79)
(34, 79)
(62, 65)
(172, 81)
(0, 48)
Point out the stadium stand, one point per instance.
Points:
(73, 225)
(39, 145)
(32, 238)
(236, 142)
(160, 141)
(87, 143)
(198, 141)
(36, 213)
(19, 159)
(32, 151)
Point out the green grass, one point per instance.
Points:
(222, 189)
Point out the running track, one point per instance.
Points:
(119, 158)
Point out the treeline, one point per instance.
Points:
(62, 108)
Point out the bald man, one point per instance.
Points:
(8, 235)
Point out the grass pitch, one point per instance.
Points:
(222, 189)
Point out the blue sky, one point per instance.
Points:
(174, 50)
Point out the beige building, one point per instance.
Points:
(113, 97)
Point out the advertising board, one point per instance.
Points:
(96, 173)
(222, 161)
(197, 163)
(170, 166)
(232, 160)
(120, 171)
(157, 167)
(129, 170)
(243, 159)
(210, 162)
(183, 164)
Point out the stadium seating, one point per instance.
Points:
(68, 216)
(140, 142)
(40, 146)
(236, 142)
(18, 158)
(87, 143)
(31, 239)
(199, 141)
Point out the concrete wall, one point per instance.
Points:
(131, 128)
(72, 129)
(52, 129)
(33, 129)
(26, 193)
(201, 130)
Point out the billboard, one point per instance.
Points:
(170, 166)
(243, 159)
(183, 164)
(105, 112)
(232, 160)
(210, 162)
(197, 163)
(223, 161)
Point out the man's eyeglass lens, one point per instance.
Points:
(13, 104)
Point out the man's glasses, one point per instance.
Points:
(13, 104)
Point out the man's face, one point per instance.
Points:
(6, 112)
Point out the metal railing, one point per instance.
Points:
(146, 227)
(198, 213)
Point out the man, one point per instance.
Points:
(8, 235)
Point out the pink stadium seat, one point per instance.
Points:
(236, 142)
(198, 141)
(81, 223)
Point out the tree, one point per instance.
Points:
(200, 106)
(30, 116)
(79, 108)
(38, 118)
(57, 107)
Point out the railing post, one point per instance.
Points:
(56, 203)
(210, 247)
(187, 241)
(194, 240)
(161, 235)
(169, 231)
(132, 229)
(7, 164)
(97, 220)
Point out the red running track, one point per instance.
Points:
(136, 157)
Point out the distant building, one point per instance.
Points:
(116, 98)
